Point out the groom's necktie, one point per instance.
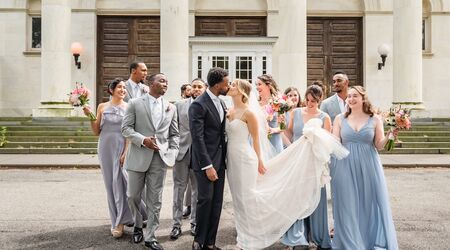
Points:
(219, 108)
(156, 113)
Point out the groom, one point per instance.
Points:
(207, 124)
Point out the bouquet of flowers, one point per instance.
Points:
(80, 97)
(396, 119)
(281, 105)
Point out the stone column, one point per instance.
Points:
(56, 59)
(175, 45)
(408, 53)
(289, 54)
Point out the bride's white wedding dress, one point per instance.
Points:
(265, 206)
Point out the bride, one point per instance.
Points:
(271, 192)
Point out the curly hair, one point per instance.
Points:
(216, 75)
(367, 106)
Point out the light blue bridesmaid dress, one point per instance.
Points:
(316, 225)
(361, 210)
(275, 139)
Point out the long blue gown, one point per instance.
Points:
(275, 139)
(317, 223)
(361, 210)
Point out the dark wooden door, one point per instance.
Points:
(122, 40)
(333, 44)
(230, 26)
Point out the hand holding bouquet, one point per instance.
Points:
(396, 119)
(281, 105)
(80, 97)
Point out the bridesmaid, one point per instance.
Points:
(316, 225)
(268, 90)
(361, 210)
(294, 95)
(111, 153)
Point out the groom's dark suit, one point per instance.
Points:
(208, 148)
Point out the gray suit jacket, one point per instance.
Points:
(129, 88)
(183, 125)
(137, 124)
(331, 106)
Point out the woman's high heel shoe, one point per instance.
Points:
(118, 231)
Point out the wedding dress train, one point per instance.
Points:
(265, 206)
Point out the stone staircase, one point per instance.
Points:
(48, 136)
(431, 136)
(74, 136)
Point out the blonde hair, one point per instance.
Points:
(244, 87)
(367, 106)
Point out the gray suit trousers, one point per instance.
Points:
(153, 181)
(181, 176)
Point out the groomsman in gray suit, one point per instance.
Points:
(182, 173)
(335, 104)
(150, 123)
(135, 84)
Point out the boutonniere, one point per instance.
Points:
(170, 107)
(145, 88)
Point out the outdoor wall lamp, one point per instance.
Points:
(383, 50)
(76, 49)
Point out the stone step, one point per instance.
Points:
(49, 133)
(48, 128)
(417, 151)
(48, 151)
(50, 145)
(424, 145)
(424, 138)
(423, 133)
(53, 138)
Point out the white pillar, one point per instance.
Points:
(408, 53)
(289, 53)
(175, 45)
(56, 59)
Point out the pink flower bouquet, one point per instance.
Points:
(396, 119)
(80, 97)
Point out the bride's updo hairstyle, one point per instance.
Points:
(244, 87)
(367, 106)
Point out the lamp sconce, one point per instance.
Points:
(383, 50)
(76, 49)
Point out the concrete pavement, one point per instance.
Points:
(67, 209)
(91, 161)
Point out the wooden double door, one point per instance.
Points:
(333, 44)
(122, 40)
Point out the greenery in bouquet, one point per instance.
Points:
(396, 119)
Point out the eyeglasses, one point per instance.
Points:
(338, 80)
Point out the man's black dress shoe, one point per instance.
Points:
(154, 245)
(176, 232)
(196, 246)
(213, 248)
(193, 227)
(301, 247)
(187, 212)
(138, 236)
